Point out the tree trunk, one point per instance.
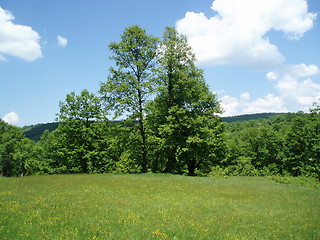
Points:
(143, 147)
(171, 156)
(143, 135)
(191, 168)
(171, 159)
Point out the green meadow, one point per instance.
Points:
(151, 206)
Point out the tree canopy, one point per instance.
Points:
(182, 114)
(131, 83)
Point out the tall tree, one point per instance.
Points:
(130, 84)
(182, 115)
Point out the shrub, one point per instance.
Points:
(126, 164)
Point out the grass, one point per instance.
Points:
(151, 206)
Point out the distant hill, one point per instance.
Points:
(247, 117)
(34, 132)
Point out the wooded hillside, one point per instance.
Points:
(34, 132)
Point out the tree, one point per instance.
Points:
(28, 158)
(313, 140)
(54, 151)
(80, 117)
(129, 86)
(182, 115)
(85, 107)
(10, 136)
(18, 155)
(295, 146)
(316, 109)
(255, 140)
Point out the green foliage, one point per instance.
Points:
(127, 164)
(295, 155)
(301, 180)
(243, 167)
(85, 107)
(285, 144)
(9, 138)
(258, 142)
(19, 156)
(34, 132)
(78, 115)
(78, 145)
(248, 117)
(130, 85)
(218, 171)
(182, 115)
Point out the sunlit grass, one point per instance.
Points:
(156, 207)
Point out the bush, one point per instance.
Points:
(218, 171)
(310, 182)
(270, 170)
(243, 168)
(126, 164)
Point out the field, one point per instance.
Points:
(149, 206)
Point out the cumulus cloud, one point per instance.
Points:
(269, 103)
(17, 40)
(295, 88)
(245, 96)
(234, 106)
(11, 118)
(62, 41)
(294, 83)
(236, 34)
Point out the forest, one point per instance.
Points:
(167, 121)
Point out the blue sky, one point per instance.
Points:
(258, 56)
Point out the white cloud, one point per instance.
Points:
(269, 103)
(294, 84)
(272, 76)
(230, 105)
(295, 91)
(17, 40)
(302, 70)
(245, 96)
(11, 118)
(236, 34)
(234, 106)
(62, 41)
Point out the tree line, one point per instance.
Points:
(169, 124)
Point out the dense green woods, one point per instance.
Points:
(288, 144)
(34, 132)
(169, 124)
